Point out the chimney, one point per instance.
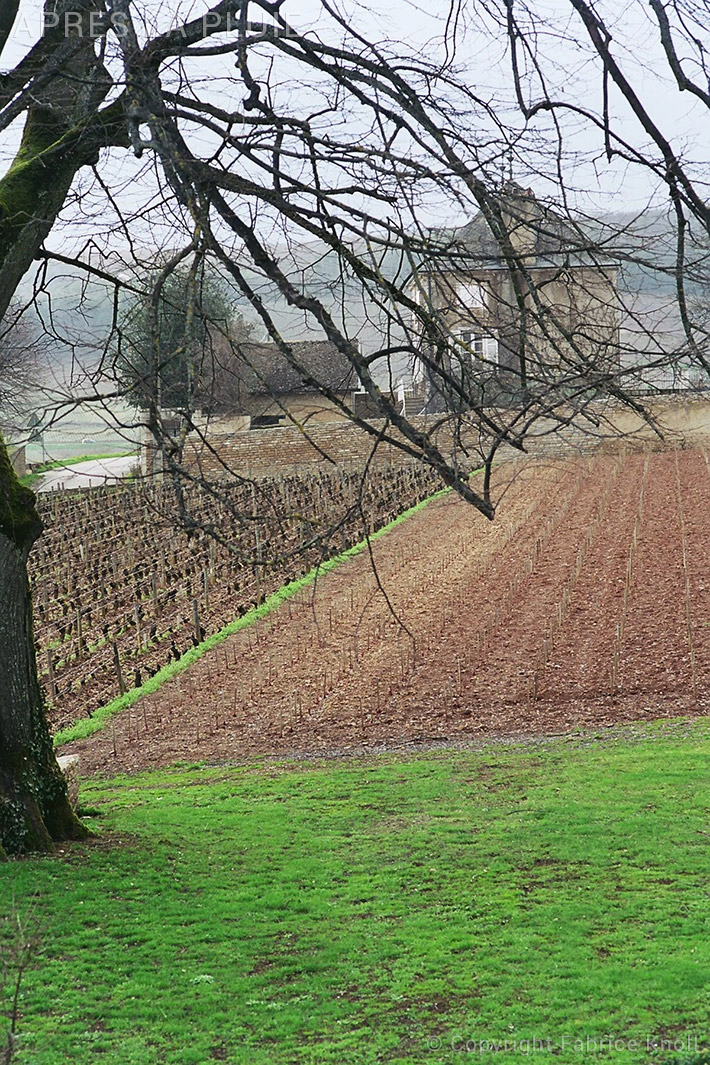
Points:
(521, 214)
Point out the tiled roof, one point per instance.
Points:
(536, 231)
(230, 375)
(265, 369)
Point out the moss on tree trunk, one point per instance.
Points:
(31, 195)
(35, 812)
(64, 130)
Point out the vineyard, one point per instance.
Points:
(584, 604)
(119, 592)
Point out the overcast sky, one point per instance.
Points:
(478, 49)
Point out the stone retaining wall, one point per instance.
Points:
(683, 420)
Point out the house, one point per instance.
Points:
(535, 304)
(257, 386)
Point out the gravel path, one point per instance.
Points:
(89, 474)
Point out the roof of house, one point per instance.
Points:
(266, 369)
(536, 231)
(231, 376)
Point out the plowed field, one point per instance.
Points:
(586, 603)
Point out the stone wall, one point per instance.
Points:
(265, 452)
(684, 421)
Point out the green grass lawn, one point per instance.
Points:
(382, 910)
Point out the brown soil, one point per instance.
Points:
(574, 609)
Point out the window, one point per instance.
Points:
(474, 341)
(480, 345)
(267, 421)
(470, 294)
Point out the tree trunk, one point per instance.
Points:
(34, 807)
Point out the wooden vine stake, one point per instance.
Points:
(628, 582)
(50, 676)
(686, 581)
(119, 671)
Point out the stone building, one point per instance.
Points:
(256, 385)
(525, 300)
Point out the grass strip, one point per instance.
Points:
(81, 730)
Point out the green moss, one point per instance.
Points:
(19, 520)
(18, 189)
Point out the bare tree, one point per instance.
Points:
(448, 214)
(19, 368)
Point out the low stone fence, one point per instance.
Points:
(680, 420)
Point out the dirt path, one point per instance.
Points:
(573, 609)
